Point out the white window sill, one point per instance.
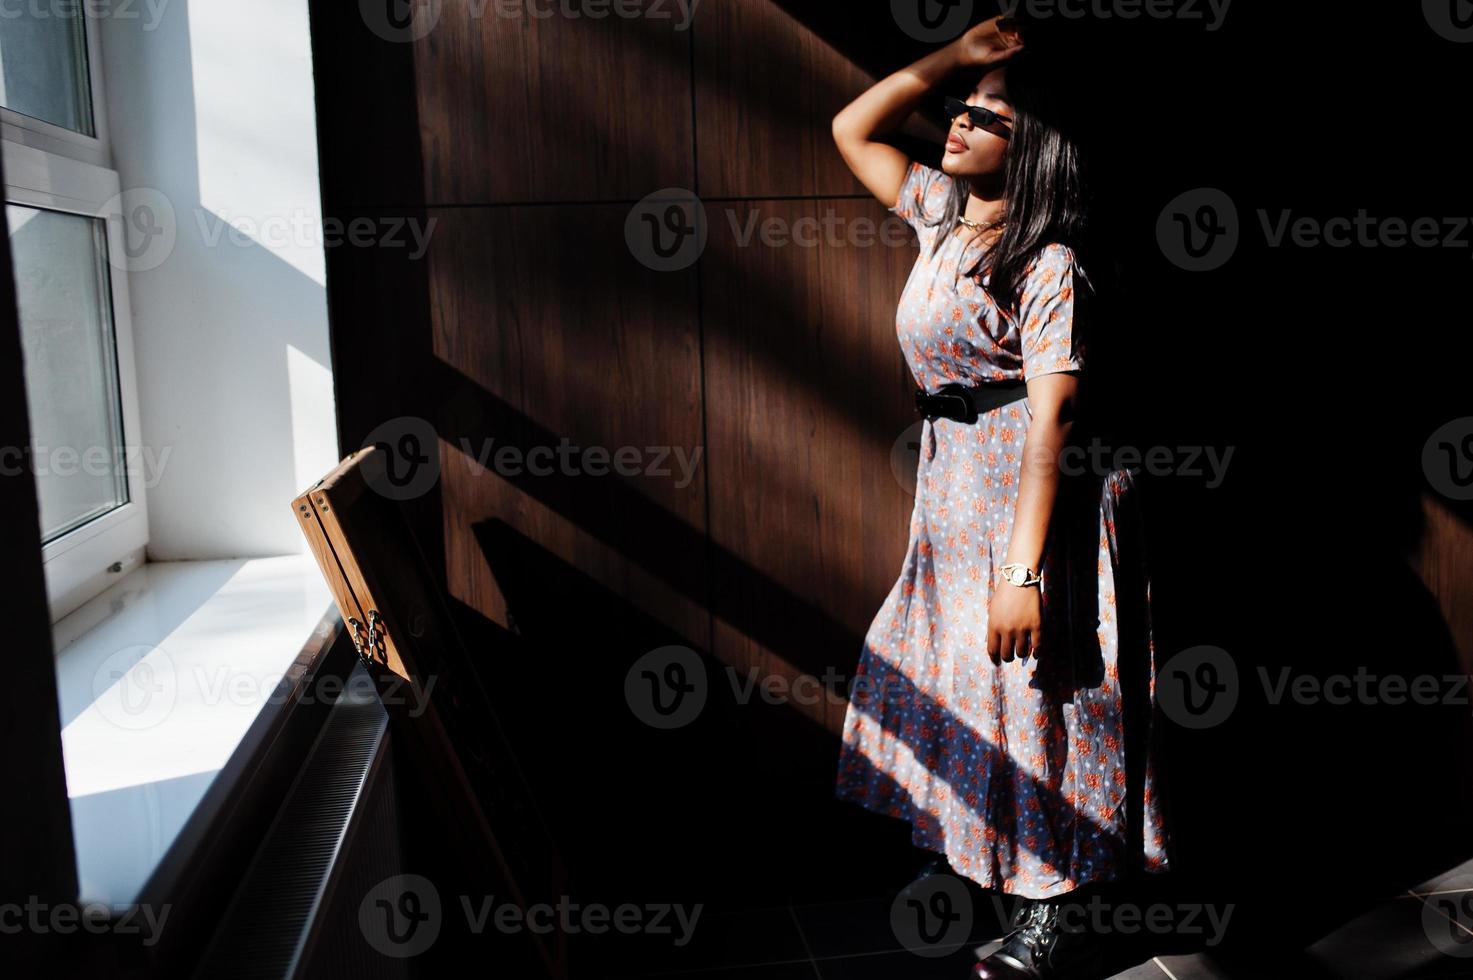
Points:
(159, 679)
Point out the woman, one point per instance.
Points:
(1010, 669)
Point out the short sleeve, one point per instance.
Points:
(922, 197)
(1051, 329)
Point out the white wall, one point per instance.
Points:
(211, 116)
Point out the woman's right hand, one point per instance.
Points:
(990, 42)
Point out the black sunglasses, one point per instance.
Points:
(982, 117)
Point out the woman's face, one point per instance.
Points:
(972, 152)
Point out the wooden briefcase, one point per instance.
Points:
(402, 629)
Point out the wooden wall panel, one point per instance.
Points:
(547, 329)
(368, 138)
(529, 322)
(767, 89)
(524, 108)
(807, 393)
(1444, 562)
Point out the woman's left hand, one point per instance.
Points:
(1014, 622)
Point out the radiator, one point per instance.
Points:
(296, 912)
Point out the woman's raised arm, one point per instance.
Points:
(884, 106)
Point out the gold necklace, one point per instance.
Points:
(978, 226)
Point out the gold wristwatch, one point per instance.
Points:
(1016, 573)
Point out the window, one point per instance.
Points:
(63, 212)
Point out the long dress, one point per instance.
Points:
(1034, 776)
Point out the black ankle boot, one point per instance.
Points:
(1040, 947)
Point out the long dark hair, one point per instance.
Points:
(1045, 184)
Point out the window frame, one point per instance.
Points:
(48, 166)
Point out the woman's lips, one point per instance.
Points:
(956, 144)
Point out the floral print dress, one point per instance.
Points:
(1034, 776)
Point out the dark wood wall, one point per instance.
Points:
(530, 320)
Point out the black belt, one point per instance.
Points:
(966, 404)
